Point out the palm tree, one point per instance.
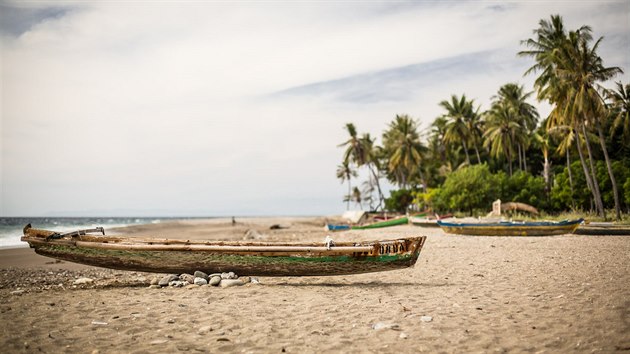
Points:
(581, 68)
(569, 69)
(459, 111)
(361, 151)
(502, 131)
(355, 151)
(402, 143)
(527, 115)
(371, 158)
(620, 109)
(345, 173)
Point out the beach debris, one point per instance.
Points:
(384, 325)
(17, 292)
(82, 281)
(426, 318)
(99, 323)
(403, 335)
(255, 281)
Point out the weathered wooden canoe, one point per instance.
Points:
(511, 228)
(243, 258)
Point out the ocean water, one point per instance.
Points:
(11, 228)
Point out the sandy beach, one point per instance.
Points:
(466, 294)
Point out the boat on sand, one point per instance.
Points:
(92, 247)
(377, 225)
(510, 228)
(603, 228)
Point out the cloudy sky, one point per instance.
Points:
(167, 108)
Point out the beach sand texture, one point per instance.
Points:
(466, 294)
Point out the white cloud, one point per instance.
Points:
(175, 107)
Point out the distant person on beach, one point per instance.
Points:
(233, 221)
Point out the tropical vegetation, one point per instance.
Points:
(575, 159)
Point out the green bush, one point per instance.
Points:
(399, 200)
(468, 189)
(522, 187)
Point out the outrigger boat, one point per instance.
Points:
(243, 258)
(511, 228)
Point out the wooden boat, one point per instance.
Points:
(604, 228)
(377, 225)
(243, 258)
(511, 228)
(387, 223)
(428, 221)
(334, 227)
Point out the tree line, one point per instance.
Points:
(577, 158)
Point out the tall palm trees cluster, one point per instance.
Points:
(586, 119)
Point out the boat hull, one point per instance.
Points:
(596, 230)
(511, 229)
(381, 224)
(255, 259)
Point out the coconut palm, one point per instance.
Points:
(346, 173)
(503, 131)
(459, 111)
(527, 115)
(581, 70)
(403, 146)
(620, 109)
(569, 69)
(371, 158)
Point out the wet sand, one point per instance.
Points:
(466, 294)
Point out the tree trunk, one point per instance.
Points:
(587, 175)
(477, 152)
(570, 179)
(520, 159)
(596, 192)
(466, 152)
(524, 158)
(378, 187)
(602, 142)
(509, 156)
(349, 191)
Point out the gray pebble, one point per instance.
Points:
(178, 283)
(226, 283)
(215, 280)
(167, 279)
(187, 277)
(200, 274)
(200, 281)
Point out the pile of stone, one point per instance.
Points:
(200, 278)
